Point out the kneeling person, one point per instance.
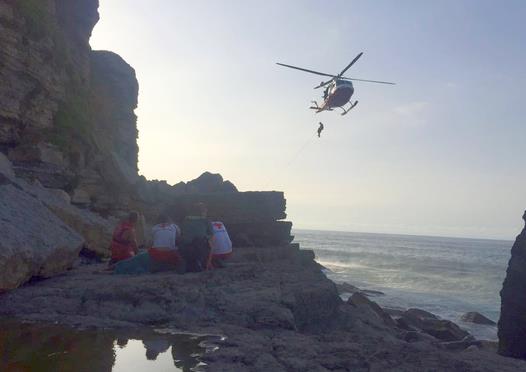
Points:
(164, 251)
(124, 242)
(196, 235)
(221, 244)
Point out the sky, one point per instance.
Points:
(440, 153)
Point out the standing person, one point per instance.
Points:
(221, 244)
(196, 235)
(124, 240)
(164, 251)
(320, 129)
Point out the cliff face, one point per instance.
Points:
(68, 148)
(512, 322)
(44, 71)
(67, 113)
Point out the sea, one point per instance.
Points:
(445, 276)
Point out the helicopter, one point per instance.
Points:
(338, 90)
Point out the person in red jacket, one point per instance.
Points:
(124, 241)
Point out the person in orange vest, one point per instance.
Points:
(124, 241)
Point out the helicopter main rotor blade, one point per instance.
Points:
(350, 64)
(304, 69)
(368, 81)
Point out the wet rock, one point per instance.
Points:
(417, 336)
(349, 288)
(359, 299)
(429, 323)
(465, 343)
(346, 288)
(404, 324)
(416, 317)
(372, 293)
(477, 318)
(394, 312)
(512, 322)
(443, 330)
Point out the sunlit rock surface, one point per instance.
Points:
(34, 242)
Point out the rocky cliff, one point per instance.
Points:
(68, 149)
(512, 323)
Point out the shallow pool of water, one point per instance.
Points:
(44, 347)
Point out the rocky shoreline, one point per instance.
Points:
(276, 308)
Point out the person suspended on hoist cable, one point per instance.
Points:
(320, 129)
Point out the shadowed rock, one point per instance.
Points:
(476, 318)
(512, 322)
(359, 299)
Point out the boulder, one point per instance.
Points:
(512, 322)
(444, 330)
(429, 323)
(416, 317)
(394, 312)
(346, 288)
(359, 299)
(80, 197)
(95, 230)
(463, 344)
(61, 194)
(372, 293)
(476, 318)
(34, 242)
(6, 168)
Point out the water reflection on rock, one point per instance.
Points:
(37, 347)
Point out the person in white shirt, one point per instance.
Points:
(221, 244)
(164, 251)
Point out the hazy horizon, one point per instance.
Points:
(294, 228)
(440, 153)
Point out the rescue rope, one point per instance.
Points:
(296, 155)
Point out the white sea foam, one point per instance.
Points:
(447, 276)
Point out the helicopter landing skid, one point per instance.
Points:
(318, 108)
(349, 109)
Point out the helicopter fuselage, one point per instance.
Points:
(339, 94)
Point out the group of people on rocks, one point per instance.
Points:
(197, 244)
